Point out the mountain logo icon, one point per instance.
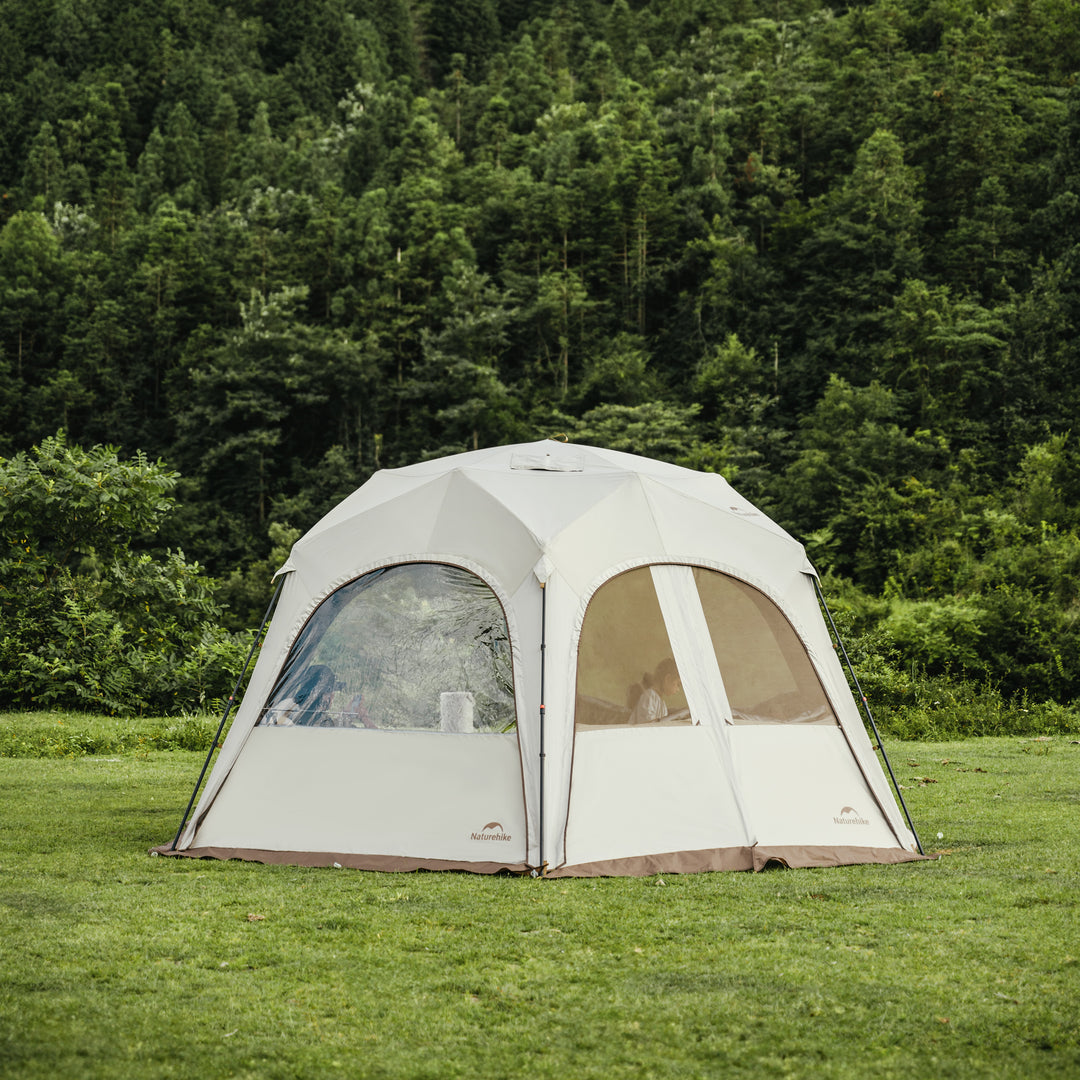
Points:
(493, 830)
(849, 816)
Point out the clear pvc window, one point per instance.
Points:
(415, 647)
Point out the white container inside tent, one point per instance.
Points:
(548, 658)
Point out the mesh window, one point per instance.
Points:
(628, 671)
(625, 663)
(420, 646)
(767, 674)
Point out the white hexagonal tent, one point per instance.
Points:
(554, 658)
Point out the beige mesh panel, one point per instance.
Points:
(767, 674)
(766, 671)
(623, 642)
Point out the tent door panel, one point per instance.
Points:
(804, 787)
(640, 791)
(427, 795)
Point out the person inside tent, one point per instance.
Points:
(357, 715)
(308, 702)
(648, 699)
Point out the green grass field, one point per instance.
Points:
(114, 964)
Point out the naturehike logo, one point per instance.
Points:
(850, 816)
(493, 830)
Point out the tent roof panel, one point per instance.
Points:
(381, 488)
(694, 530)
(616, 530)
(401, 523)
(473, 523)
(547, 502)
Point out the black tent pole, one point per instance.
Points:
(543, 648)
(866, 709)
(228, 708)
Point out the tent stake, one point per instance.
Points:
(866, 709)
(543, 651)
(228, 708)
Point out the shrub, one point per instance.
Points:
(910, 658)
(87, 621)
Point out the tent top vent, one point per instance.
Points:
(547, 463)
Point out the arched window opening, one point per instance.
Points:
(626, 669)
(629, 669)
(767, 672)
(414, 647)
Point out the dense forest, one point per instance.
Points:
(831, 253)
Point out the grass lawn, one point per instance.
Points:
(114, 964)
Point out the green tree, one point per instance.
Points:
(653, 429)
(863, 244)
(561, 303)
(272, 392)
(632, 186)
(44, 172)
(854, 486)
(736, 389)
(150, 172)
(261, 153)
(458, 396)
(469, 28)
(972, 123)
(618, 373)
(182, 159)
(946, 354)
(32, 277)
